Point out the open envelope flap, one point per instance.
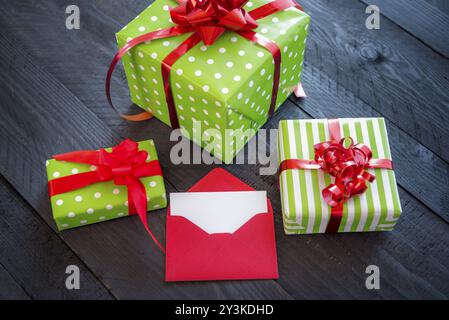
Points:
(249, 253)
(219, 212)
(195, 255)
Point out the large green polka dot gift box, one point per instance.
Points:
(217, 86)
(336, 175)
(87, 187)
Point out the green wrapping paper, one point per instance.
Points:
(224, 86)
(304, 209)
(100, 201)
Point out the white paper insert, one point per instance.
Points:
(218, 212)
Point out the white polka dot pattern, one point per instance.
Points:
(232, 78)
(100, 201)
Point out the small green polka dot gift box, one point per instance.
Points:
(218, 85)
(87, 187)
(337, 175)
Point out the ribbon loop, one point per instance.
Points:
(347, 165)
(124, 165)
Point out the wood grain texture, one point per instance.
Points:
(425, 21)
(329, 100)
(310, 272)
(42, 32)
(58, 122)
(52, 100)
(101, 19)
(396, 74)
(442, 5)
(10, 289)
(36, 257)
(333, 266)
(389, 69)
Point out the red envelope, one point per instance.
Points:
(195, 255)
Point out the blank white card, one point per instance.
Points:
(218, 212)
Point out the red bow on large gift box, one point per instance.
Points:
(206, 20)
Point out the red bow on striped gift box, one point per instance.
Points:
(348, 165)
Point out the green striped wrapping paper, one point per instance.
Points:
(303, 207)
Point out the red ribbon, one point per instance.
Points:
(207, 20)
(124, 165)
(211, 18)
(347, 164)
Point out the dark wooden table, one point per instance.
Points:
(52, 101)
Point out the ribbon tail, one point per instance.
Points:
(160, 34)
(299, 91)
(335, 219)
(137, 199)
(87, 157)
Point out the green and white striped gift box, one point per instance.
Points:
(303, 207)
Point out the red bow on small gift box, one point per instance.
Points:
(207, 20)
(347, 164)
(124, 165)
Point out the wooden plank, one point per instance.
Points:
(65, 63)
(389, 69)
(389, 66)
(307, 264)
(36, 257)
(423, 20)
(80, 56)
(84, 77)
(329, 100)
(333, 266)
(306, 274)
(10, 289)
(315, 266)
(42, 118)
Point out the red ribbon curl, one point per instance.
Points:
(211, 18)
(207, 20)
(347, 164)
(124, 165)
